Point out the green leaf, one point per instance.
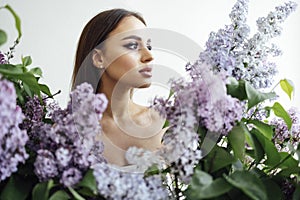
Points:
(218, 158)
(202, 186)
(237, 89)
(19, 94)
(75, 194)
(268, 146)
(265, 129)
(17, 20)
(60, 195)
(273, 190)
(41, 190)
(296, 195)
(3, 37)
(16, 188)
(45, 89)
(89, 182)
(287, 86)
(27, 90)
(279, 111)
(257, 147)
(8, 69)
(286, 172)
(255, 97)
(26, 61)
(36, 71)
(288, 161)
(251, 185)
(236, 139)
(28, 79)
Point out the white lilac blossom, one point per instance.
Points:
(232, 52)
(114, 184)
(12, 138)
(69, 146)
(282, 135)
(143, 159)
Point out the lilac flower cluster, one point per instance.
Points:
(230, 51)
(142, 159)
(207, 105)
(2, 58)
(114, 184)
(282, 135)
(69, 146)
(12, 138)
(34, 112)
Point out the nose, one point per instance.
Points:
(146, 55)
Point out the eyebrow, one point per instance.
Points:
(132, 37)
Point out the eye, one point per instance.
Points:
(149, 47)
(132, 45)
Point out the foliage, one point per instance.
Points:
(231, 139)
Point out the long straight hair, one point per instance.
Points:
(94, 33)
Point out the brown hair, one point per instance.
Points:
(94, 33)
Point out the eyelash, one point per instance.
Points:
(134, 46)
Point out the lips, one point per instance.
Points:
(146, 72)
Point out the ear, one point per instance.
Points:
(97, 58)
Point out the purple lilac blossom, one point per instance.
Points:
(70, 177)
(12, 138)
(207, 105)
(282, 135)
(230, 50)
(114, 184)
(69, 145)
(2, 58)
(33, 111)
(221, 120)
(45, 165)
(184, 166)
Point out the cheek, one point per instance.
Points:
(123, 65)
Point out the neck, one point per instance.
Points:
(118, 95)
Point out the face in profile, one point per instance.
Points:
(126, 54)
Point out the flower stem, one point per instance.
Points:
(282, 161)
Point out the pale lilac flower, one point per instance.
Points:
(12, 138)
(63, 156)
(222, 116)
(269, 26)
(114, 184)
(282, 135)
(70, 177)
(143, 159)
(184, 166)
(72, 139)
(45, 165)
(200, 102)
(231, 52)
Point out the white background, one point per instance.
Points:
(51, 30)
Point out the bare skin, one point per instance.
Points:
(127, 61)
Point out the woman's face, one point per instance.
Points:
(126, 54)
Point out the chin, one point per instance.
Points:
(146, 85)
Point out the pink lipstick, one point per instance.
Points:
(146, 72)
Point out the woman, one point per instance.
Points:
(114, 56)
